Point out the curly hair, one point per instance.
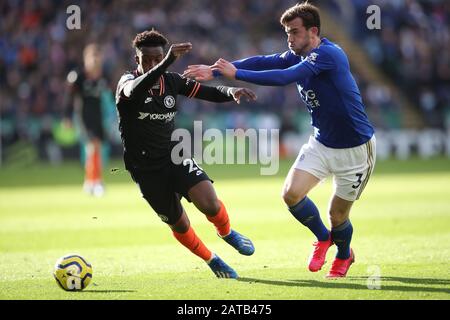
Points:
(149, 38)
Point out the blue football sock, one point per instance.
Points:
(342, 236)
(307, 213)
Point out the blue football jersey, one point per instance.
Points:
(326, 86)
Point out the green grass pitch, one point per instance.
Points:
(401, 237)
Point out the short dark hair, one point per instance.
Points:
(149, 38)
(305, 11)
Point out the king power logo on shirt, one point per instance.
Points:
(309, 97)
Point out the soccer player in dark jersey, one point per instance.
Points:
(84, 97)
(146, 102)
(343, 144)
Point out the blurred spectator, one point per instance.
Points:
(413, 47)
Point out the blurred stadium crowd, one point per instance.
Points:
(412, 47)
(37, 51)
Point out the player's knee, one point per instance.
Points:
(181, 226)
(337, 217)
(209, 206)
(290, 197)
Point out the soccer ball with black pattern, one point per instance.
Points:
(72, 272)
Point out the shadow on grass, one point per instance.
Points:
(108, 291)
(339, 284)
(422, 281)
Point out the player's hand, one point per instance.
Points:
(227, 69)
(179, 49)
(239, 93)
(199, 72)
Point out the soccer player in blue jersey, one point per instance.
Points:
(343, 144)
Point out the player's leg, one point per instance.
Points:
(193, 183)
(297, 185)
(156, 189)
(185, 234)
(205, 199)
(339, 211)
(341, 233)
(341, 227)
(91, 121)
(353, 169)
(89, 166)
(93, 166)
(307, 171)
(92, 133)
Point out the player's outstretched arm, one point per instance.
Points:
(140, 85)
(202, 72)
(199, 72)
(194, 89)
(267, 62)
(224, 94)
(298, 72)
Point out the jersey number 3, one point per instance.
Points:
(358, 183)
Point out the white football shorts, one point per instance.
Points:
(351, 167)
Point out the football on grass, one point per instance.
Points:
(72, 272)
